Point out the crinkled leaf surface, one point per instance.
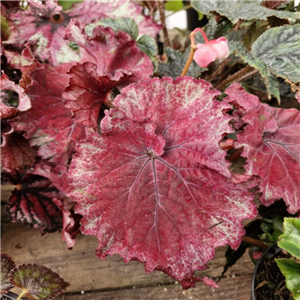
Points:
(270, 80)
(7, 264)
(86, 93)
(154, 184)
(176, 62)
(290, 239)
(49, 124)
(271, 144)
(32, 203)
(279, 49)
(39, 281)
(17, 154)
(291, 270)
(114, 54)
(240, 10)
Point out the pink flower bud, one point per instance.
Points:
(210, 51)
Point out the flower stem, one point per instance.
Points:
(194, 33)
(189, 61)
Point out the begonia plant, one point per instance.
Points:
(159, 154)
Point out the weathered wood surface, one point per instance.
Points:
(112, 278)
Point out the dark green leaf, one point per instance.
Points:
(148, 45)
(279, 49)
(240, 10)
(270, 80)
(121, 24)
(7, 264)
(39, 281)
(175, 64)
(291, 270)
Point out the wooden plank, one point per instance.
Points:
(84, 271)
(229, 288)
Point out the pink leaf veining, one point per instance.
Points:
(155, 186)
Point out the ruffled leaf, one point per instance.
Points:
(271, 144)
(156, 176)
(117, 53)
(38, 282)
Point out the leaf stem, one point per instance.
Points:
(23, 293)
(255, 242)
(189, 61)
(240, 74)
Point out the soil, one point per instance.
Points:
(270, 282)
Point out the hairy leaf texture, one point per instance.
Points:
(155, 186)
(271, 144)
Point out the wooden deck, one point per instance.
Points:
(112, 279)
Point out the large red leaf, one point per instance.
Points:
(271, 144)
(155, 187)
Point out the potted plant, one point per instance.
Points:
(37, 282)
(160, 156)
(276, 274)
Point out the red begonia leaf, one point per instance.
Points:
(155, 186)
(89, 12)
(87, 92)
(271, 144)
(7, 264)
(32, 203)
(17, 154)
(114, 54)
(38, 282)
(49, 124)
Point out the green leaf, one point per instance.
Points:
(270, 80)
(236, 10)
(38, 282)
(176, 62)
(67, 4)
(290, 239)
(7, 264)
(279, 49)
(121, 24)
(148, 45)
(291, 270)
